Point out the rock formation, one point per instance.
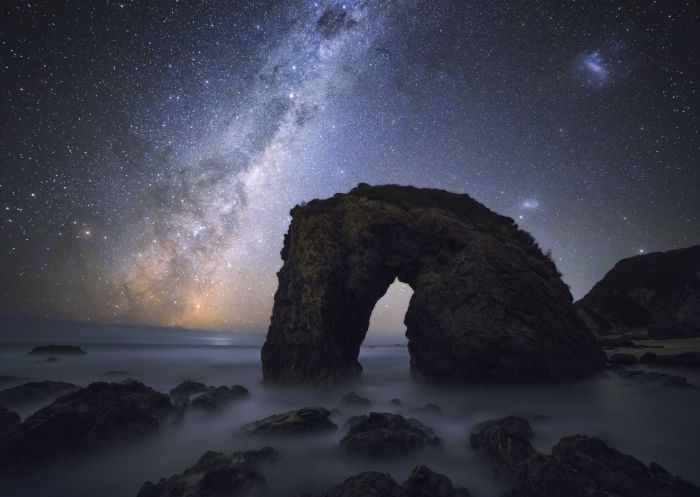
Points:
(387, 436)
(83, 422)
(654, 295)
(579, 466)
(487, 306)
(422, 482)
(216, 474)
(34, 392)
(305, 421)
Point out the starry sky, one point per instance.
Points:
(150, 152)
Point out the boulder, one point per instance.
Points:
(305, 421)
(216, 474)
(681, 360)
(488, 306)
(216, 398)
(85, 421)
(180, 395)
(387, 436)
(352, 399)
(56, 349)
(34, 392)
(422, 482)
(579, 466)
(654, 295)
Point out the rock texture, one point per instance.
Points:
(35, 391)
(654, 295)
(487, 306)
(303, 421)
(422, 482)
(387, 436)
(216, 474)
(85, 421)
(579, 466)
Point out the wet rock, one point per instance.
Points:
(387, 436)
(85, 421)
(429, 409)
(181, 394)
(653, 295)
(682, 360)
(488, 306)
(216, 474)
(34, 392)
(395, 402)
(622, 358)
(422, 482)
(579, 466)
(307, 420)
(352, 399)
(216, 398)
(56, 349)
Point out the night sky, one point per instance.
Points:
(150, 152)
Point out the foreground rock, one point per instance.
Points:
(34, 392)
(387, 436)
(82, 422)
(180, 395)
(579, 466)
(654, 295)
(308, 420)
(682, 360)
(216, 474)
(488, 306)
(56, 349)
(422, 482)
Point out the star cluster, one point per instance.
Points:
(151, 151)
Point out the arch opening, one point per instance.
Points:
(386, 324)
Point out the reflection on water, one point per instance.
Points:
(651, 422)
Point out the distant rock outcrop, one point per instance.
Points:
(56, 349)
(85, 421)
(653, 295)
(579, 466)
(488, 306)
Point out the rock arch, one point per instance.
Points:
(487, 306)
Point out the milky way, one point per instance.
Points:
(151, 152)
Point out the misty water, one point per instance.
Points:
(651, 422)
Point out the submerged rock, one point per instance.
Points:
(352, 399)
(216, 474)
(664, 379)
(488, 306)
(387, 436)
(215, 398)
(82, 422)
(681, 360)
(422, 482)
(200, 396)
(579, 466)
(35, 392)
(56, 349)
(653, 295)
(307, 420)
